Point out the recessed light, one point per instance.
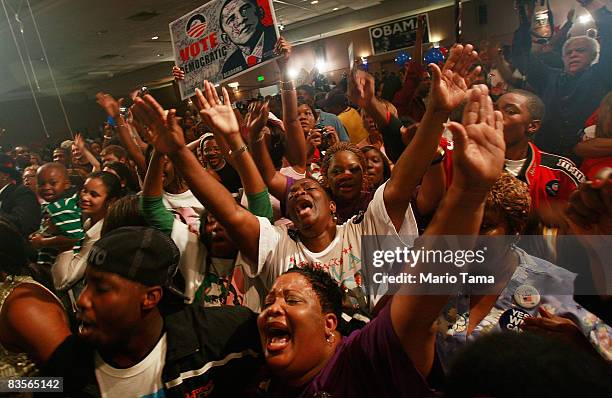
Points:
(159, 55)
(154, 37)
(314, 1)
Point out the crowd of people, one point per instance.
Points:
(227, 251)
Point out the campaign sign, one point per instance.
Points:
(222, 39)
(398, 34)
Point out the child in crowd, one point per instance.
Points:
(61, 227)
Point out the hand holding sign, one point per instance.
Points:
(282, 48)
(178, 73)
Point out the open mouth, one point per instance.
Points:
(47, 195)
(85, 328)
(303, 207)
(278, 337)
(345, 186)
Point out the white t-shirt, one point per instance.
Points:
(193, 257)
(69, 267)
(187, 205)
(514, 166)
(141, 380)
(278, 252)
(290, 172)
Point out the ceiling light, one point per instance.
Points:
(434, 38)
(159, 55)
(233, 85)
(154, 37)
(335, 9)
(314, 1)
(320, 64)
(293, 73)
(584, 19)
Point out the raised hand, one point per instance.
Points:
(282, 48)
(218, 115)
(449, 86)
(478, 143)
(361, 88)
(79, 142)
(256, 120)
(109, 104)
(178, 73)
(162, 130)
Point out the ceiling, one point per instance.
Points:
(96, 44)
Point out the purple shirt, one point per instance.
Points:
(371, 362)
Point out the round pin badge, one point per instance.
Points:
(460, 324)
(512, 319)
(527, 296)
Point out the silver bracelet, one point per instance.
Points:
(238, 151)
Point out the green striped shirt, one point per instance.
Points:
(65, 215)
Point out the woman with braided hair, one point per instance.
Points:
(344, 177)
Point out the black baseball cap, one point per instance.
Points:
(140, 254)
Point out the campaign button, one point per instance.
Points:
(512, 319)
(527, 296)
(460, 325)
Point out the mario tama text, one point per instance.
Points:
(422, 263)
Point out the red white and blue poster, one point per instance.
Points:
(222, 39)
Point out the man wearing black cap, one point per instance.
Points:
(17, 203)
(131, 345)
